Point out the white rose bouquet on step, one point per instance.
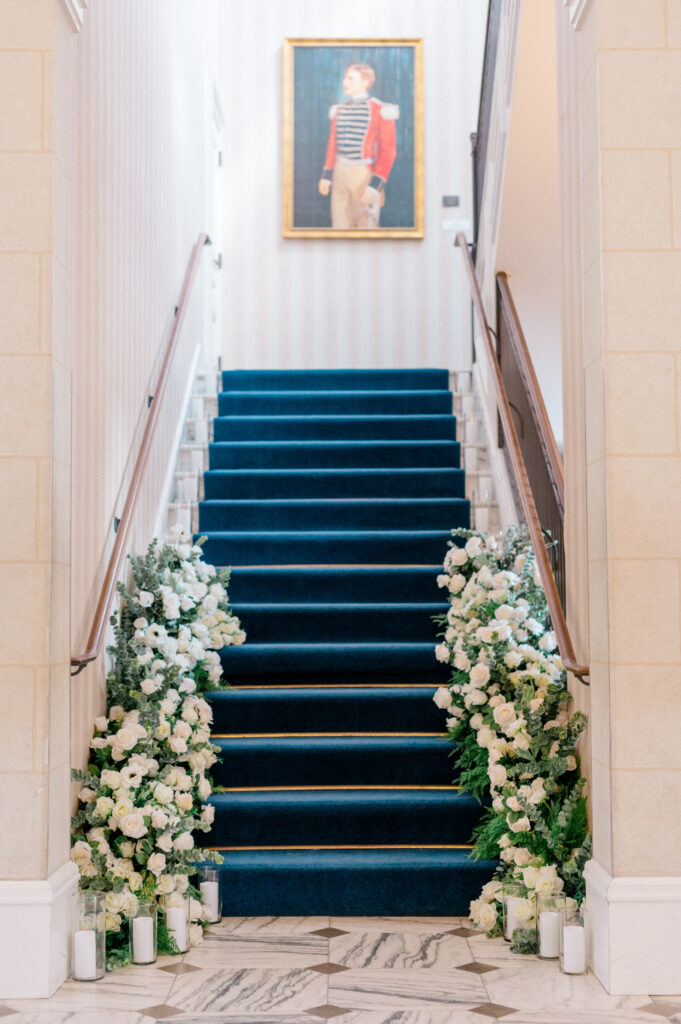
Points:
(508, 711)
(146, 787)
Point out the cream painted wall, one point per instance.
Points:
(283, 298)
(132, 194)
(528, 246)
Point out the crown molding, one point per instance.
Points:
(577, 9)
(75, 10)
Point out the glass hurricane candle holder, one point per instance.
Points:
(549, 910)
(176, 910)
(143, 933)
(88, 953)
(210, 891)
(513, 894)
(573, 955)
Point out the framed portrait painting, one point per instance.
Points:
(353, 138)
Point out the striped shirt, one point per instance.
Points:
(352, 123)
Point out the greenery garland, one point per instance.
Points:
(508, 714)
(146, 787)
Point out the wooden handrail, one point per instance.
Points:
(560, 627)
(534, 394)
(108, 590)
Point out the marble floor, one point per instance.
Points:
(354, 970)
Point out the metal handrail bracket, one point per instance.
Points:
(558, 620)
(108, 589)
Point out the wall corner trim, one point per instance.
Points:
(577, 9)
(75, 9)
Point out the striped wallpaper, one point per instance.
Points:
(334, 303)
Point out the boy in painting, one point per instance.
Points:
(361, 152)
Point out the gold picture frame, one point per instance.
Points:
(353, 118)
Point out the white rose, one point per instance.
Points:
(513, 803)
(183, 730)
(521, 825)
(504, 714)
(165, 885)
(126, 738)
(456, 583)
(457, 556)
(87, 796)
(497, 775)
(104, 806)
(530, 876)
(462, 662)
(442, 652)
(156, 863)
(204, 789)
(485, 736)
(443, 697)
(185, 841)
(480, 674)
(473, 547)
(487, 917)
(181, 883)
(159, 819)
(145, 598)
(150, 686)
(133, 825)
(534, 627)
(476, 721)
(162, 793)
(475, 697)
(521, 856)
(135, 880)
(442, 580)
(101, 723)
(165, 842)
(177, 745)
(548, 641)
(184, 801)
(127, 849)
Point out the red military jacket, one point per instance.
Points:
(378, 145)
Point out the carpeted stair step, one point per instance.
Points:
(329, 403)
(414, 482)
(343, 380)
(338, 623)
(330, 454)
(359, 882)
(320, 660)
(334, 760)
(330, 428)
(250, 585)
(330, 547)
(259, 709)
(341, 817)
(294, 514)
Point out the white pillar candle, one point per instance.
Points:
(549, 934)
(143, 951)
(84, 955)
(574, 949)
(176, 922)
(512, 919)
(210, 893)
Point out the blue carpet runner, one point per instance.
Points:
(332, 495)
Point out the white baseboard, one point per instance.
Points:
(36, 921)
(635, 932)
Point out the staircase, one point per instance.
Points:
(332, 495)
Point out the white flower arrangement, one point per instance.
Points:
(508, 713)
(145, 789)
